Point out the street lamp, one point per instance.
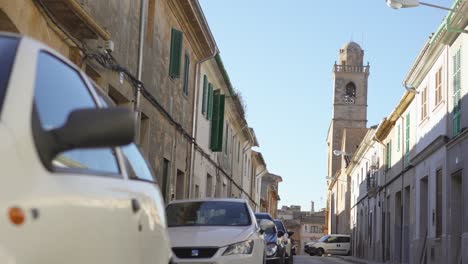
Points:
(340, 153)
(328, 178)
(397, 4)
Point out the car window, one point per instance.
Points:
(136, 164)
(332, 239)
(59, 90)
(343, 240)
(8, 47)
(208, 213)
(324, 238)
(279, 226)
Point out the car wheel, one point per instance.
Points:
(320, 252)
(283, 258)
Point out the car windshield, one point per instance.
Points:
(279, 225)
(323, 239)
(8, 47)
(263, 216)
(209, 213)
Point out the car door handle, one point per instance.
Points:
(135, 205)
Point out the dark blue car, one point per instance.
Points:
(275, 251)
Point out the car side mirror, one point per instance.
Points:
(266, 225)
(280, 233)
(290, 233)
(94, 128)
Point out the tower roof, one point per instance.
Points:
(351, 46)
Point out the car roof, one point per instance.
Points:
(340, 235)
(262, 213)
(235, 200)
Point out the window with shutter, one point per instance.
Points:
(186, 74)
(407, 138)
(456, 118)
(424, 104)
(398, 138)
(389, 155)
(175, 53)
(209, 111)
(216, 142)
(438, 90)
(205, 88)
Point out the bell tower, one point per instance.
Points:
(349, 99)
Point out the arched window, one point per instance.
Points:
(350, 95)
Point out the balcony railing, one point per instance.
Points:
(351, 68)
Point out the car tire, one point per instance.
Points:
(283, 258)
(320, 252)
(311, 254)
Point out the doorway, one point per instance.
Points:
(456, 208)
(180, 185)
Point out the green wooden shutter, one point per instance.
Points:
(205, 87)
(209, 111)
(175, 54)
(186, 74)
(216, 142)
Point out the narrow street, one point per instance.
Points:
(305, 259)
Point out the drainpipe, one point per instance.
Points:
(141, 36)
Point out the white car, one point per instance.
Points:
(69, 193)
(334, 244)
(222, 231)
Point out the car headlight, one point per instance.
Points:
(271, 249)
(245, 247)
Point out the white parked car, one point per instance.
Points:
(334, 244)
(69, 193)
(216, 231)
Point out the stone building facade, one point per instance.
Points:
(152, 56)
(409, 206)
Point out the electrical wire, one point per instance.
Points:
(106, 60)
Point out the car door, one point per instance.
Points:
(86, 214)
(344, 244)
(332, 245)
(153, 238)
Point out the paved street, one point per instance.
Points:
(305, 259)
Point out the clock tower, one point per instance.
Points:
(349, 99)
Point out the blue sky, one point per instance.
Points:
(280, 54)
